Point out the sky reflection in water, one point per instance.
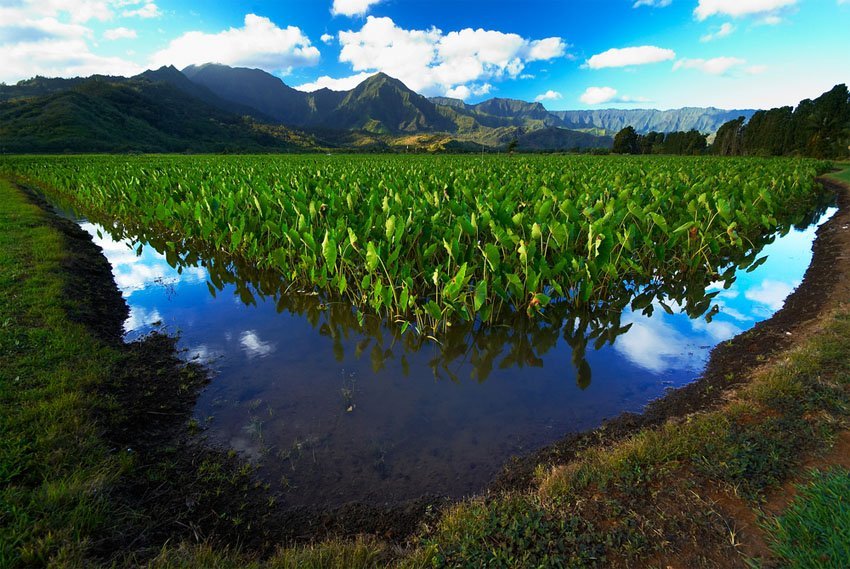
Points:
(333, 415)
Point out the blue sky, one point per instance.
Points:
(569, 54)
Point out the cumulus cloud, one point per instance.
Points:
(770, 293)
(652, 3)
(334, 84)
(549, 95)
(436, 63)
(628, 56)
(253, 346)
(352, 7)
(259, 43)
(715, 66)
(465, 92)
(327, 38)
(148, 10)
(654, 344)
(723, 31)
(53, 37)
(737, 8)
(600, 95)
(119, 34)
(35, 43)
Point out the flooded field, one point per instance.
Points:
(333, 411)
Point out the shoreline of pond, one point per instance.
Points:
(96, 291)
(729, 361)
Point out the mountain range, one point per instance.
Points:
(217, 108)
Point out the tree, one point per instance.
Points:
(729, 139)
(626, 142)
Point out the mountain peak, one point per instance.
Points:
(382, 78)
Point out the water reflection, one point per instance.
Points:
(335, 410)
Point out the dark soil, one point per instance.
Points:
(181, 489)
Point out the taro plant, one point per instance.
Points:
(432, 241)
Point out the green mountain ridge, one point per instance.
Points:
(215, 107)
(133, 115)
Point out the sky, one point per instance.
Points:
(567, 54)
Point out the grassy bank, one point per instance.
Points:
(694, 492)
(55, 470)
(97, 465)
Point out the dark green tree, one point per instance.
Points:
(626, 142)
(729, 138)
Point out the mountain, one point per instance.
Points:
(382, 104)
(706, 120)
(173, 76)
(253, 88)
(562, 139)
(138, 114)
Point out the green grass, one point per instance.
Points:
(844, 174)
(55, 472)
(814, 532)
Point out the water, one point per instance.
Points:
(333, 413)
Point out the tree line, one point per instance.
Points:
(628, 141)
(818, 128)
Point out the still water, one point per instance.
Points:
(333, 412)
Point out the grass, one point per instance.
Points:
(844, 174)
(55, 471)
(651, 496)
(815, 530)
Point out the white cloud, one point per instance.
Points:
(652, 3)
(119, 33)
(630, 56)
(549, 95)
(600, 95)
(718, 330)
(737, 8)
(770, 293)
(327, 38)
(756, 69)
(149, 10)
(464, 92)
(77, 11)
(352, 7)
(341, 84)
(723, 31)
(654, 344)
(52, 38)
(259, 43)
(432, 62)
(715, 66)
(254, 346)
(58, 57)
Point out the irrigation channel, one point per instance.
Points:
(334, 412)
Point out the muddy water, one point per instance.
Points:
(332, 411)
